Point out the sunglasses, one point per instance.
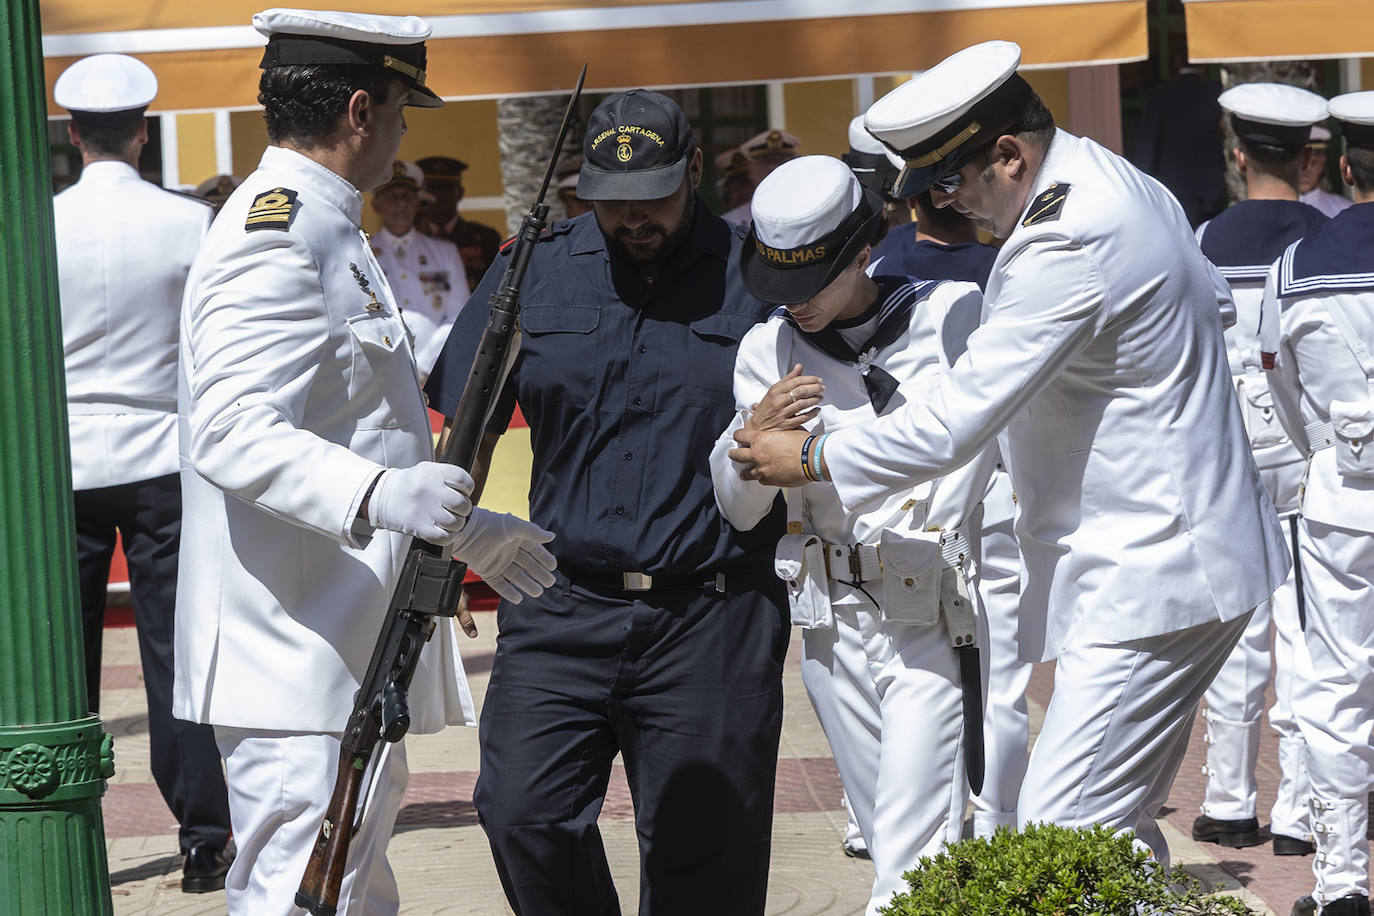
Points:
(948, 184)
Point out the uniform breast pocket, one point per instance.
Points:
(383, 387)
(709, 367)
(561, 350)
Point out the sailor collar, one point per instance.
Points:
(288, 167)
(1338, 257)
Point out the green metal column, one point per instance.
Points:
(54, 757)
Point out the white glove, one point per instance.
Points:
(428, 500)
(507, 552)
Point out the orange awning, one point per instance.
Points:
(206, 56)
(1258, 30)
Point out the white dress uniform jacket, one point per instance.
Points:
(1142, 512)
(427, 278)
(297, 388)
(128, 246)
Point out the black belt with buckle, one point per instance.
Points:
(646, 582)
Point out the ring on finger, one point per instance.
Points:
(792, 393)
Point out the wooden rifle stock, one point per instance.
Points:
(430, 585)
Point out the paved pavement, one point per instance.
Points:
(444, 866)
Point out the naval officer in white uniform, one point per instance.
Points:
(124, 248)
(1318, 330)
(1271, 122)
(879, 634)
(306, 464)
(1146, 533)
(425, 273)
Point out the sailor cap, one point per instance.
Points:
(1355, 112)
(868, 159)
(105, 84)
(1319, 137)
(393, 43)
(811, 218)
(1275, 114)
(939, 120)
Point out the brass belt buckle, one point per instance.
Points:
(636, 581)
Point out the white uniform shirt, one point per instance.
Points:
(1325, 201)
(940, 323)
(297, 389)
(1315, 366)
(1265, 225)
(124, 248)
(1142, 512)
(426, 275)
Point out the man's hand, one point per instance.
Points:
(507, 552)
(772, 457)
(791, 401)
(463, 614)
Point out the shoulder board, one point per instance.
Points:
(274, 209)
(1047, 205)
(561, 227)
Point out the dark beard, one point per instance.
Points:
(650, 263)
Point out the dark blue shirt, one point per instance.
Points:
(626, 387)
(901, 255)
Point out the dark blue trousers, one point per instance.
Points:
(687, 686)
(185, 760)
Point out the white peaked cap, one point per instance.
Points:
(105, 83)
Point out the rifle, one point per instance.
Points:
(430, 584)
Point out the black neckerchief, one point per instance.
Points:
(897, 296)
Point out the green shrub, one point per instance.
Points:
(1055, 871)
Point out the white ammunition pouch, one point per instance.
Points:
(910, 592)
(800, 564)
(1350, 430)
(1257, 411)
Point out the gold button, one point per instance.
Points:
(386, 339)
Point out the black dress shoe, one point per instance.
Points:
(855, 852)
(1304, 906)
(1236, 834)
(1354, 905)
(204, 870)
(1292, 846)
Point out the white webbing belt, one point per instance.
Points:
(1320, 435)
(841, 559)
(853, 562)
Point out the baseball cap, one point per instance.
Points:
(637, 147)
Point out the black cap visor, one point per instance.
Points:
(1361, 135)
(1285, 136)
(405, 62)
(631, 184)
(793, 275)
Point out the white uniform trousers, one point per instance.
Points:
(279, 788)
(1006, 720)
(1289, 816)
(888, 698)
(1234, 704)
(1117, 727)
(1336, 709)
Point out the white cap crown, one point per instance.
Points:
(106, 83)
